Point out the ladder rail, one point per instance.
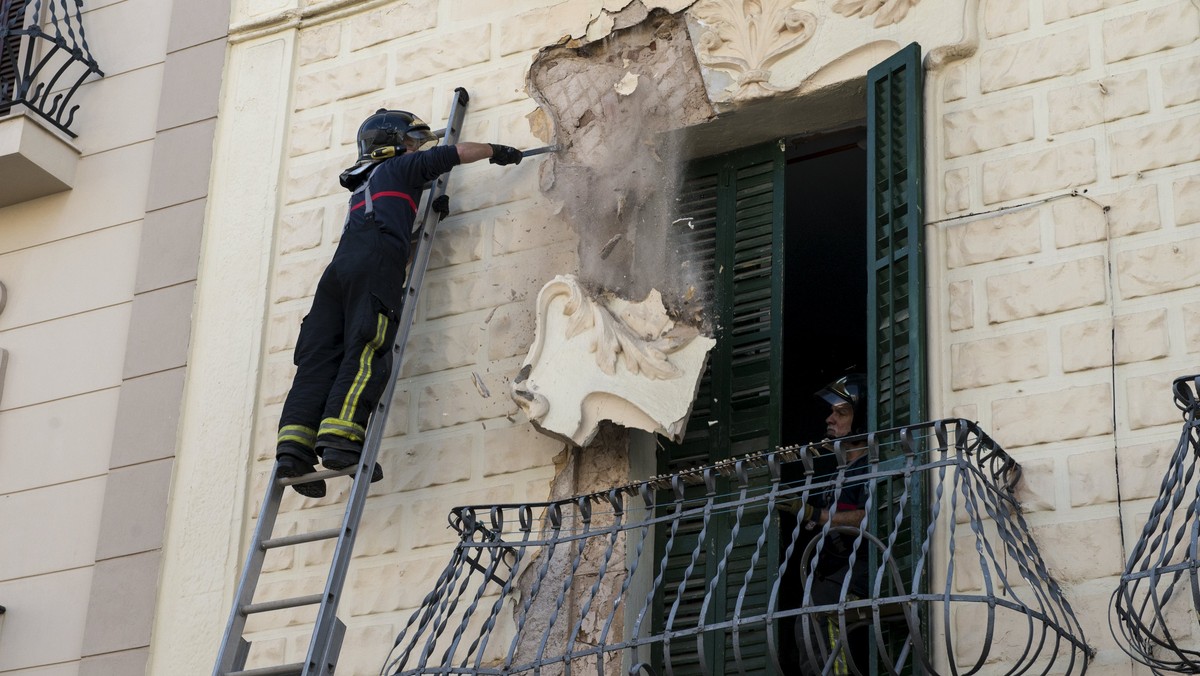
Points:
(231, 652)
(321, 650)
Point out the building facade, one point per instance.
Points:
(1027, 266)
(104, 192)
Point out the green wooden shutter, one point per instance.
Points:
(734, 246)
(896, 275)
(896, 302)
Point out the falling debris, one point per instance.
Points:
(612, 243)
(483, 390)
(627, 85)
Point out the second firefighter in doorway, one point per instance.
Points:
(343, 352)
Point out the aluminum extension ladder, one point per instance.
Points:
(328, 630)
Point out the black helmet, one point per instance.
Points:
(388, 129)
(849, 389)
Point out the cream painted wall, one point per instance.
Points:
(69, 263)
(1061, 182)
(95, 326)
(1024, 279)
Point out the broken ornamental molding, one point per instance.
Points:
(596, 359)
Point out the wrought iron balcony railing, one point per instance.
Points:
(44, 58)
(1157, 600)
(705, 572)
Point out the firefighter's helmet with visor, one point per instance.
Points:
(849, 389)
(386, 131)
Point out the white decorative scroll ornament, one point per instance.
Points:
(596, 359)
(747, 37)
(886, 12)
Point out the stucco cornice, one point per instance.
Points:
(292, 19)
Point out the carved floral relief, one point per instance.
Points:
(747, 37)
(886, 12)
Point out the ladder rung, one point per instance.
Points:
(281, 670)
(301, 538)
(316, 476)
(267, 606)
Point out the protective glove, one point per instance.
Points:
(804, 512)
(503, 155)
(441, 206)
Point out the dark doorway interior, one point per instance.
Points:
(825, 295)
(824, 316)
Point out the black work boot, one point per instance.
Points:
(338, 455)
(292, 465)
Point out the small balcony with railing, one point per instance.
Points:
(722, 570)
(44, 59)
(1157, 602)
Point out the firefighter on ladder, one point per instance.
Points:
(343, 351)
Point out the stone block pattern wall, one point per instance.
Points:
(1064, 194)
(454, 435)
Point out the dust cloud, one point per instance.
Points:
(617, 174)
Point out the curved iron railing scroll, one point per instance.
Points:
(957, 584)
(1155, 607)
(44, 58)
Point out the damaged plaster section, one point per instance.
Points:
(606, 358)
(598, 355)
(609, 104)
